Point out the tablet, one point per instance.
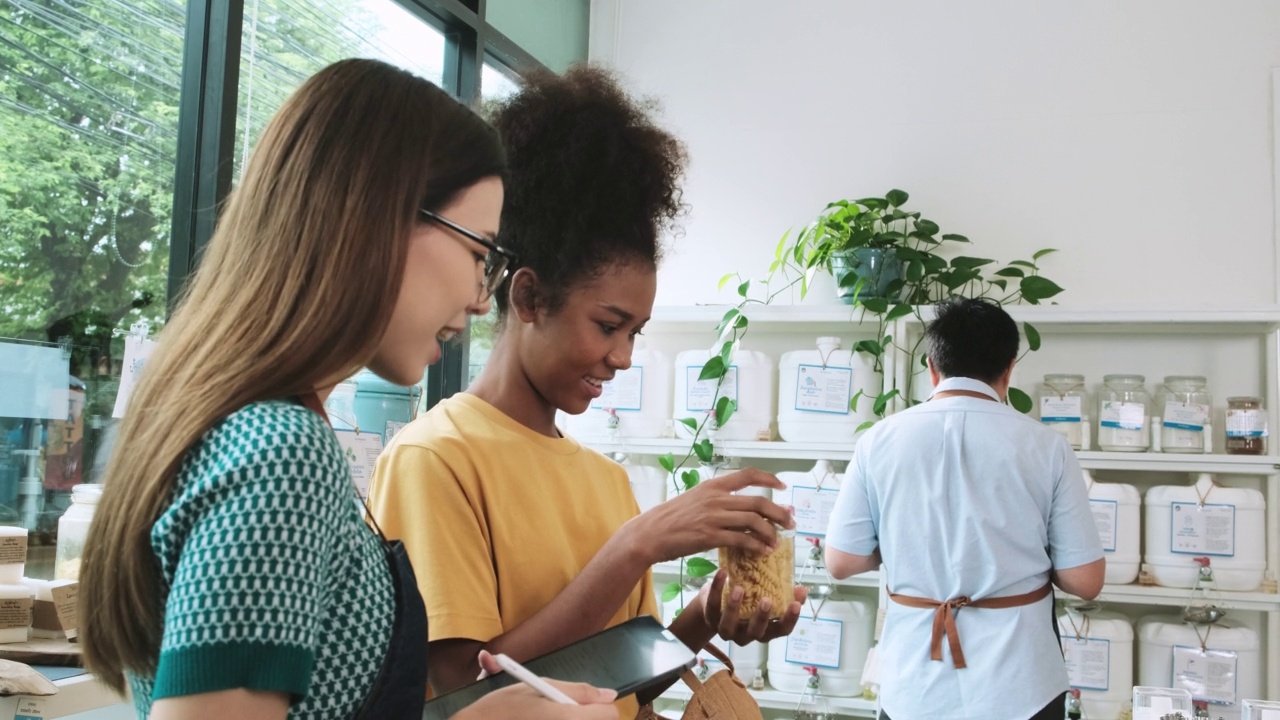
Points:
(631, 657)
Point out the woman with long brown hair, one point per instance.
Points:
(230, 572)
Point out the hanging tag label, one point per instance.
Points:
(136, 353)
(1209, 675)
(1054, 409)
(824, 390)
(813, 509)
(1184, 416)
(701, 393)
(625, 391)
(361, 451)
(31, 708)
(1088, 662)
(815, 642)
(1123, 415)
(1203, 530)
(1104, 516)
(393, 427)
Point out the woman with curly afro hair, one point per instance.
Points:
(553, 547)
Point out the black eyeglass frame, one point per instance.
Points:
(497, 264)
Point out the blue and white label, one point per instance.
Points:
(1202, 529)
(1104, 516)
(813, 508)
(625, 392)
(700, 395)
(815, 642)
(361, 451)
(1054, 409)
(1209, 675)
(1247, 423)
(31, 708)
(1122, 415)
(1088, 662)
(1185, 416)
(824, 389)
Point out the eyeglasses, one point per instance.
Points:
(497, 264)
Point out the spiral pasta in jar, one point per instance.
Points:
(770, 576)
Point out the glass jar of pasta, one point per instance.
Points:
(771, 576)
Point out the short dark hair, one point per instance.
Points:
(972, 338)
(593, 181)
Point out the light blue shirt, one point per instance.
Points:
(965, 496)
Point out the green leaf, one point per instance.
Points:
(1024, 263)
(915, 271)
(740, 323)
(870, 347)
(703, 450)
(933, 263)
(1002, 284)
(670, 591)
(777, 253)
(1041, 253)
(924, 361)
(927, 227)
(876, 305)
(864, 426)
(896, 198)
(743, 288)
(725, 279)
(1010, 272)
(899, 310)
(969, 263)
(882, 402)
(699, 567)
(725, 407)
(853, 401)
(689, 423)
(690, 478)
(727, 350)
(952, 237)
(668, 461)
(1020, 400)
(1036, 288)
(1033, 336)
(906, 253)
(729, 317)
(872, 203)
(713, 370)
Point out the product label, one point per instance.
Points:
(15, 613)
(1203, 529)
(1104, 516)
(1185, 416)
(13, 549)
(1054, 409)
(136, 353)
(701, 394)
(813, 509)
(1209, 675)
(1088, 662)
(1123, 415)
(31, 708)
(1246, 423)
(624, 392)
(361, 451)
(66, 602)
(392, 428)
(815, 642)
(824, 390)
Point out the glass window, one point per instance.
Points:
(497, 82)
(553, 31)
(88, 139)
(286, 41)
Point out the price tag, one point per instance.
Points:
(31, 708)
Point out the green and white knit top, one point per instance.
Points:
(270, 578)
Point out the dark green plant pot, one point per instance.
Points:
(878, 267)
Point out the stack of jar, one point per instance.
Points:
(1179, 420)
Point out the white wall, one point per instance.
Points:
(1135, 136)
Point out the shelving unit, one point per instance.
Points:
(770, 699)
(1238, 350)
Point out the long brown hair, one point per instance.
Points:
(296, 286)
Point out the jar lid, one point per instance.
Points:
(1184, 379)
(86, 493)
(368, 382)
(1065, 377)
(1124, 378)
(1244, 399)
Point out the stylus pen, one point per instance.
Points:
(521, 673)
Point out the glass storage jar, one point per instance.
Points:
(73, 527)
(1123, 406)
(1185, 410)
(771, 576)
(1064, 407)
(1246, 426)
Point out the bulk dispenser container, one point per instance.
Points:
(1216, 662)
(812, 493)
(1205, 520)
(1117, 511)
(749, 382)
(1098, 648)
(836, 642)
(826, 393)
(636, 403)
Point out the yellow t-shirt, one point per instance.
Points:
(498, 519)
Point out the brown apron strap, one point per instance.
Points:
(944, 616)
(720, 655)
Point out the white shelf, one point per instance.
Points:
(1089, 459)
(867, 579)
(1177, 597)
(771, 699)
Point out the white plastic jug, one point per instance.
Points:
(812, 494)
(1117, 511)
(636, 403)
(1226, 525)
(1098, 648)
(1219, 663)
(835, 642)
(816, 389)
(648, 482)
(749, 382)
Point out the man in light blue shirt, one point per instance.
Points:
(974, 509)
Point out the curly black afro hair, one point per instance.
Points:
(592, 181)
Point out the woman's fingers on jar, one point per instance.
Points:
(757, 545)
(749, 477)
(730, 610)
(773, 512)
(784, 626)
(758, 626)
(749, 523)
